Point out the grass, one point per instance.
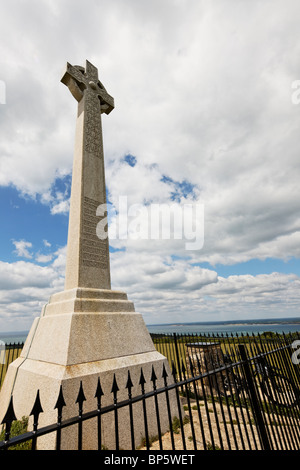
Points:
(176, 426)
(11, 354)
(17, 428)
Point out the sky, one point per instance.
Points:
(207, 115)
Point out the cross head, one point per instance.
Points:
(80, 80)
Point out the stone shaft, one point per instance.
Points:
(87, 255)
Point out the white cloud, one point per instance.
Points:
(167, 290)
(24, 288)
(202, 94)
(61, 207)
(263, 295)
(43, 258)
(22, 248)
(25, 274)
(215, 298)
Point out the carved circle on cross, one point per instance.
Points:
(93, 85)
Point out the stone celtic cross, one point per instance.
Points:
(87, 255)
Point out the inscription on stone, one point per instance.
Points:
(93, 250)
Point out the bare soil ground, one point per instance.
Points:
(215, 426)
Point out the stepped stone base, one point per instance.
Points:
(83, 335)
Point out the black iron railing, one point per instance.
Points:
(232, 392)
(8, 355)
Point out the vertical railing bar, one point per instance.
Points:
(262, 398)
(235, 398)
(271, 408)
(142, 384)
(79, 442)
(200, 416)
(168, 347)
(129, 386)
(8, 420)
(227, 401)
(2, 369)
(173, 350)
(214, 386)
(9, 360)
(254, 350)
(60, 403)
(98, 395)
(153, 380)
(131, 422)
(35, 412)
(58, 436)
(289, 417)
(184, 351)
(174, 373)
(213, 377)
(236, 371)
(189, 406)
(232, 398)
(177, 358)
(14, 349)
(164, 376)
(254, 434)
(80, 399)
(114, 391)
(295, 412)
(234, 394)
(163, 345)
(79, 431)
(276, 431)
(292, 373)
(242, 381)
(206, 408)
(2, 365)
(220, 399)
(204, 396)
(187, 357)
(197, 401)
(99, 424)
(295, 367)
(187, 339)
(257, 410)
(162, 340)
(284, 417)
(156, 341)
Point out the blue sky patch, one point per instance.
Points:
(130, 159)
(30, 220)
(255, 267)
(181, 188)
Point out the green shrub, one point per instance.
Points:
(17, 428)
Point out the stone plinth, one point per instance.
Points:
(83, 335)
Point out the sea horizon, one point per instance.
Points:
(241, 326)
